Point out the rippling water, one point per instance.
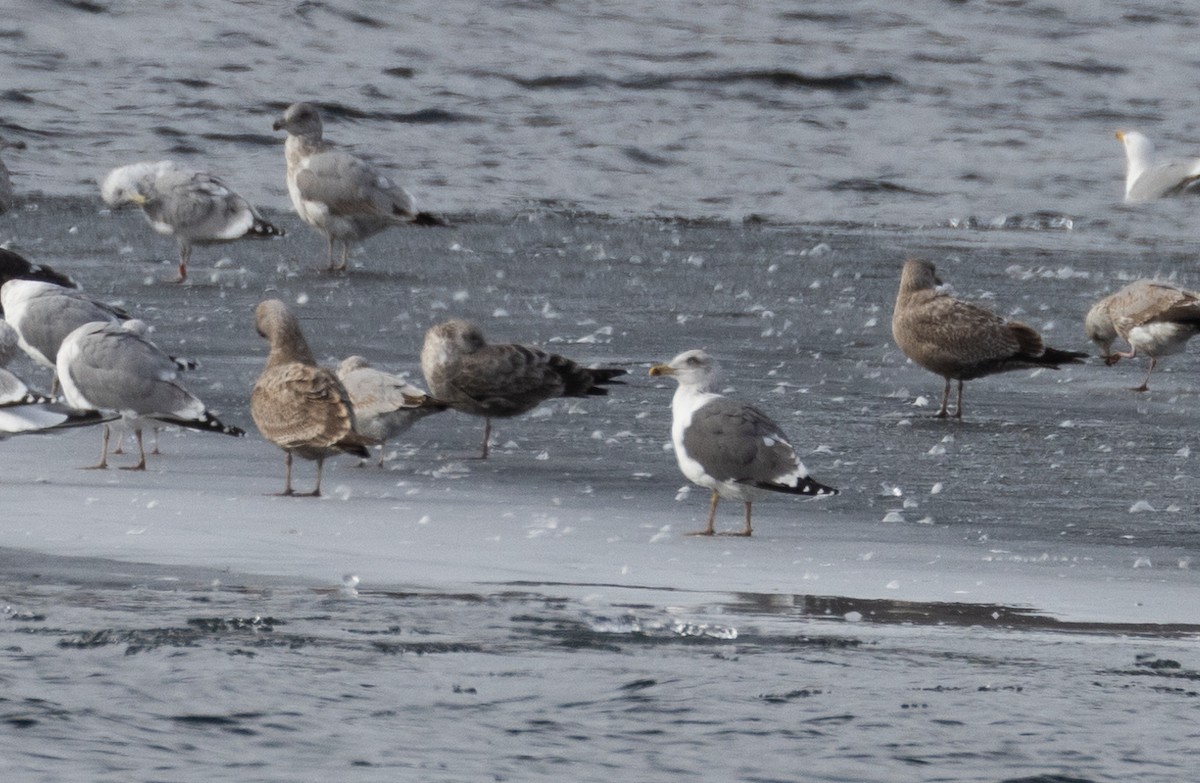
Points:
(915, 114)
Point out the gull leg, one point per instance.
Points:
(745, 531)
(287, 474)
(1146, 383)
(185, 253)
(103, 464)
(345, 255)
(958, 406)
(120, 448)
(1116, 356)
(155, 450)
(330, 267)
(316, 493)
(487, 435)
(382, 448)
(712, 515)
(141, 464)
(945, 400)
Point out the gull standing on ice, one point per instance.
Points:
(107, 367)
(727, 446)
(195, 207)
(1153, 317)
(385, 405)
(44, 314)
(959, 340)
(1147, 178)
(23, 410)
(340, 195)
(500, 381)
(298, 406)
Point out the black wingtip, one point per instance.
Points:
(428, 219)
(264, 230)
(805, 486)
(207, 423)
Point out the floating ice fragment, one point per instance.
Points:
(302, 299)
(921, 402)
(543, 455)
(852, 617)
(937, 450)
(1184, 452)
(461, 295)
(342, 491)
(663, 533)
(818, 249)
(889, 489)
(1067, 424)
(683, 492)
(704, 630)
(892, 585)
(893, 516)
(936, 489)
(623, 624)
(152, 504)
(926, 520)
(694, 260)
(1143, 562)
(349, 583)
(425, 520)
(1140, 506)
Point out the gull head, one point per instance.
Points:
(917, 275)
(300, 119)
(1100, 329)
(456, 337)
(691, 368)
(1139, 150)
(130, 184)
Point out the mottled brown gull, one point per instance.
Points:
(1147, 178)
(300, 407)
(500, 381)
(337, 193)
(729, 447)
(194, 207)
(106, 367)
(962, 341)
(1155, 318)
(385, 405)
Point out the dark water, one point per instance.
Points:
(1058, 646)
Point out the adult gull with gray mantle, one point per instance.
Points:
(1147, 178)
(473, 376)
(727, 446)
(300, 407)
(23, 410)
(193, 206)
(106, 367)
(337, 193)
(1155, 318)
(962, 341)
(44, 314)
(385, 405)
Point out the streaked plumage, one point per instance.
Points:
(106, 367)
(339, 194)
(1153, 317)
(385, 405)
(1147, 178)
(300, 407)
(729, 447)
(500, 381)
(194, 207)
(959, 340)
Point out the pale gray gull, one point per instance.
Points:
(728, 446)
(194, 207)
(337, 193)
(44, 314)
(1155, 318)
(385, 405)
(959, 340)
(1147, 178)
(300, 407)
(107, 367)
(23, 410)
(500, 381)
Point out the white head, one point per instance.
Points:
(127, 184)
(1099, 327)
(693, 368)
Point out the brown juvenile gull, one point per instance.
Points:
(339, 194)
(727, 446)
(106, 367)
(500, 381)
(6, 189)
(1147, 178)
(959, 340)
(1154, 317)
(298, 406)
(23, 410)
(195, 207)
(385, 405)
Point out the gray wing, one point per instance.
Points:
(50, 318)
(499, 380)
(199, 207)
(1166, 179)
(734, 441)
(13, 390)
(349, 186)
(118, 370)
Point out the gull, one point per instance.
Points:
(195, 207)
(1147, 178)
(23, 410)
(106, 367)
(339, 194)
(300, 407)
(959, 340)
(384, 405)
(1154, 317)
(500, 381)
(729, 446)
(6, 188)
(44, 314)
(14, 266)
